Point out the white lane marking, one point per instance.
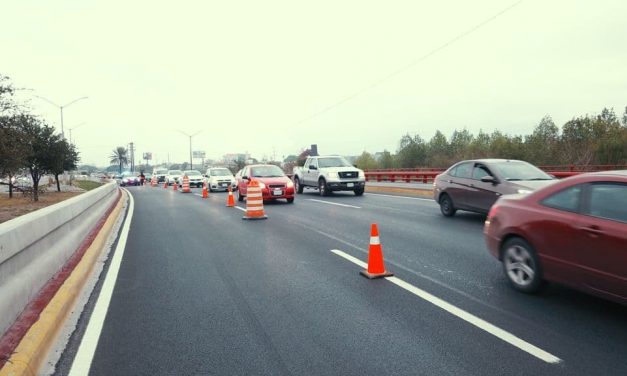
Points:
(334, 203)
(409, 198)
(87, 348)
(466, 316)
(197, 194)
(239, 207)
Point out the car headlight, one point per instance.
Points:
(261, 185)
(334, 175)
(362, 174)
(524, 191)
(290, 184)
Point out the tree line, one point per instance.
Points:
(29, 144)
(599, 139)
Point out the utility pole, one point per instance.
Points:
(132, 150)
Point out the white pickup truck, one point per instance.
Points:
(328, 174)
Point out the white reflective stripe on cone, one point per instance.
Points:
(374, 240)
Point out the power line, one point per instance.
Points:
(408, 66)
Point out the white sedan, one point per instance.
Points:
(173, 176)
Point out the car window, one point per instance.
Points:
(609, 201)
(312, 162)
(519, 170)
(333, 162)
(462, 171)
(568, 199)
(480, 171)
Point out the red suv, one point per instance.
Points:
(573, 232)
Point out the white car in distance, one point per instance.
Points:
(219, 179)
(173, 176)
(195, 178)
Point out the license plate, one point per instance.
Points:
(223, 184)
(350, 185)
(277, 193)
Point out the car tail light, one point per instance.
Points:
(492, 212)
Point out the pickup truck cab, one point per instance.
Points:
(328, 174)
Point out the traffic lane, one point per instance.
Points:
(450, 259)
(235, 307)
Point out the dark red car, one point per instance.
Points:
(573, 232)
(272, 180)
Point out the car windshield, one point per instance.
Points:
(518, 170)
(220, 172)
(159, 172)
(333, 162)
(192, 173)
(174, 172)
(266, 172)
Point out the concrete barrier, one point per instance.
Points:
(35, 246)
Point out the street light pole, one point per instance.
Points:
(74, 127)
(191, 165)
(61, 109)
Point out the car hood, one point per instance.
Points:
(532, 185)
(274, 180)
(340, 169)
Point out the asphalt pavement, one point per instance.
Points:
(202, 292)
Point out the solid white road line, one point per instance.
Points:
(334, 203)
(409, 198)
(87, 348)
(197, 194)
(466, 316)
(240, 208)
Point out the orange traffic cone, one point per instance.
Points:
(185, 187)
(165, 184)
(205, 193)
(230, 201)
(175, 186)
(254, 202)
(376, 268)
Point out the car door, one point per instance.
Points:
(242, 184)
(458, 183)
(602, 237)
(311, 171)
(481, 195)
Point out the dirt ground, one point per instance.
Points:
(20, 205)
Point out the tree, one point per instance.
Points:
(302, 157)
(412, 151)
(541, 147)
(386, 160)
(40, 141)
(366, 161)
(119, 157)
(13, 150)
(460, 144)
(438, 151)
(6, 92)
(63, 157)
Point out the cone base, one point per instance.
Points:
(252, 218)
(375, 275)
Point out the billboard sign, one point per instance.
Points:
(198, 154)
(148, 156)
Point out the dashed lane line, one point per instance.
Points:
(460, 313)
(334, 203)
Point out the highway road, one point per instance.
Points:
(199, 291)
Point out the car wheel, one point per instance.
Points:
(359, 192)
(446, 206)
(290, 200)
(521, 265)
(240, 197)
(298, 186)
(322, 186)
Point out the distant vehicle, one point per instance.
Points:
(573, 232)
(128, 178)
(328, 174)
(272, 180)
(238, 176)
(160, 173)
(475, 185)
(173, 176)
(219, 179)
(195, 178)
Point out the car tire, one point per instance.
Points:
(359, 192)
(298, 186)
(290, 200)
(446, 206)
(521, 265)
(240, 197)
(323, 188)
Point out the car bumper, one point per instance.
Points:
(269, 194)
(221, 186)
(345, 185)
(492, 242)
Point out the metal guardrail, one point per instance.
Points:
(427, 175)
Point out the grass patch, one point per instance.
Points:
(87, 185)
(19, 205)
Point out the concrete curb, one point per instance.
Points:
(32, 350)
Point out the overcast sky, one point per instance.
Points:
(247, 73)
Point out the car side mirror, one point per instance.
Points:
(312, 167)
(244, 177)
(489, 179)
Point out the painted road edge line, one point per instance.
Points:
(239, 207)
(333, 203)
(466, 316)
(84, 356)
